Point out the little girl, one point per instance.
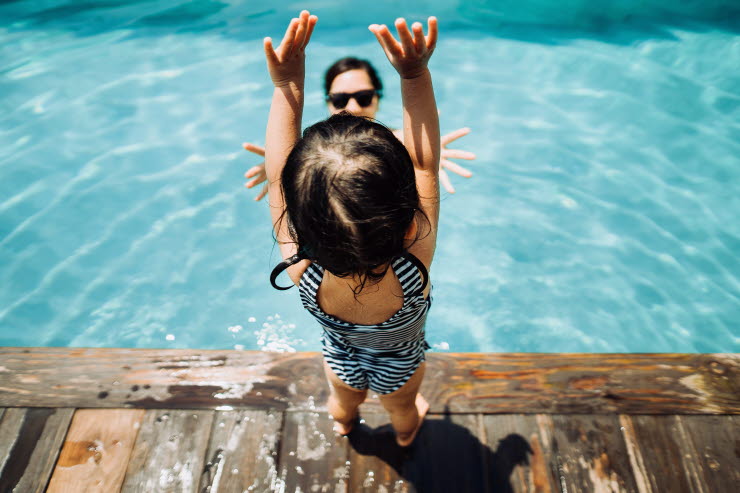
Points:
(355, 214)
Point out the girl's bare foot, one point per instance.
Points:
(344, 429)
(406, 439)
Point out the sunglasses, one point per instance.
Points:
(340, 99)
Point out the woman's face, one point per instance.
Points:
(349, 82)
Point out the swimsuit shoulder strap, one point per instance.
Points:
(422, 272)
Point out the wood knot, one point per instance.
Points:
(75, 453)
(718, 368)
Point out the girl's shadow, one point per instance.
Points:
(445, 457)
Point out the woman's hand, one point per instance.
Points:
(447, 154)
(409, 56)
(287, 64)
(257, 173)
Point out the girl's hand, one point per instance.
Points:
(287, 63)
(411, 54)
(257, 173)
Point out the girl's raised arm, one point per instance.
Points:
(420, 118)
(287, 71)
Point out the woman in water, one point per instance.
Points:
(353, 85)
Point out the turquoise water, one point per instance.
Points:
(602, 215)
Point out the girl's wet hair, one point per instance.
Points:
(351, 63)
(350, 196)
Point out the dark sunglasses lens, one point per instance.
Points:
(364, 98)
(339, 101)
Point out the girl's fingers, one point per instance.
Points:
(460, 132)
(311, 24)
(444, 179)
(270, 54)
(387, 41)
(419, 41)
(254, 148)
(405, 36)
(455, 168)
(457, 154)
(432, 30)
(286, 45)
(300, 35)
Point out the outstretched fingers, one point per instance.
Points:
(272, 57)
(433, 31)
(289, 40)
(454, 135)
(405, 36)
(387, 41)
(311, 24)
(419, 41)
(455, 168)
(248, 146)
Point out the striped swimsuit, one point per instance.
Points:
(381, 357)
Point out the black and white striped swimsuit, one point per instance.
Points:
(381, 357)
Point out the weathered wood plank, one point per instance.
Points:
(243, 452)
(96, 450)
(669, 455)
(714, 444)
(520, 458)
(169, 453)
(447, 455)
(10, 427)
(657, 453)
(31, 456)
(591, 455)
(472, 382)
(312, 457)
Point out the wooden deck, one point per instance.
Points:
(107, 420)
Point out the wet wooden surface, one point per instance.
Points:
(669, 430)
(474, 382)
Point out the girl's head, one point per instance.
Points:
(350, 196)
(352, 76)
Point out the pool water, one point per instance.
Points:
(602, 214)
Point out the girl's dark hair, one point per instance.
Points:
(350, 196)
(351, 63)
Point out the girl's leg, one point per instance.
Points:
(343, 401)
(407, 408)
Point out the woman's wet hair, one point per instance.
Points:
(350, 196)
(351, 63)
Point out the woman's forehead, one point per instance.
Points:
(351, 81)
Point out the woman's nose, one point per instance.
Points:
(353, 107)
